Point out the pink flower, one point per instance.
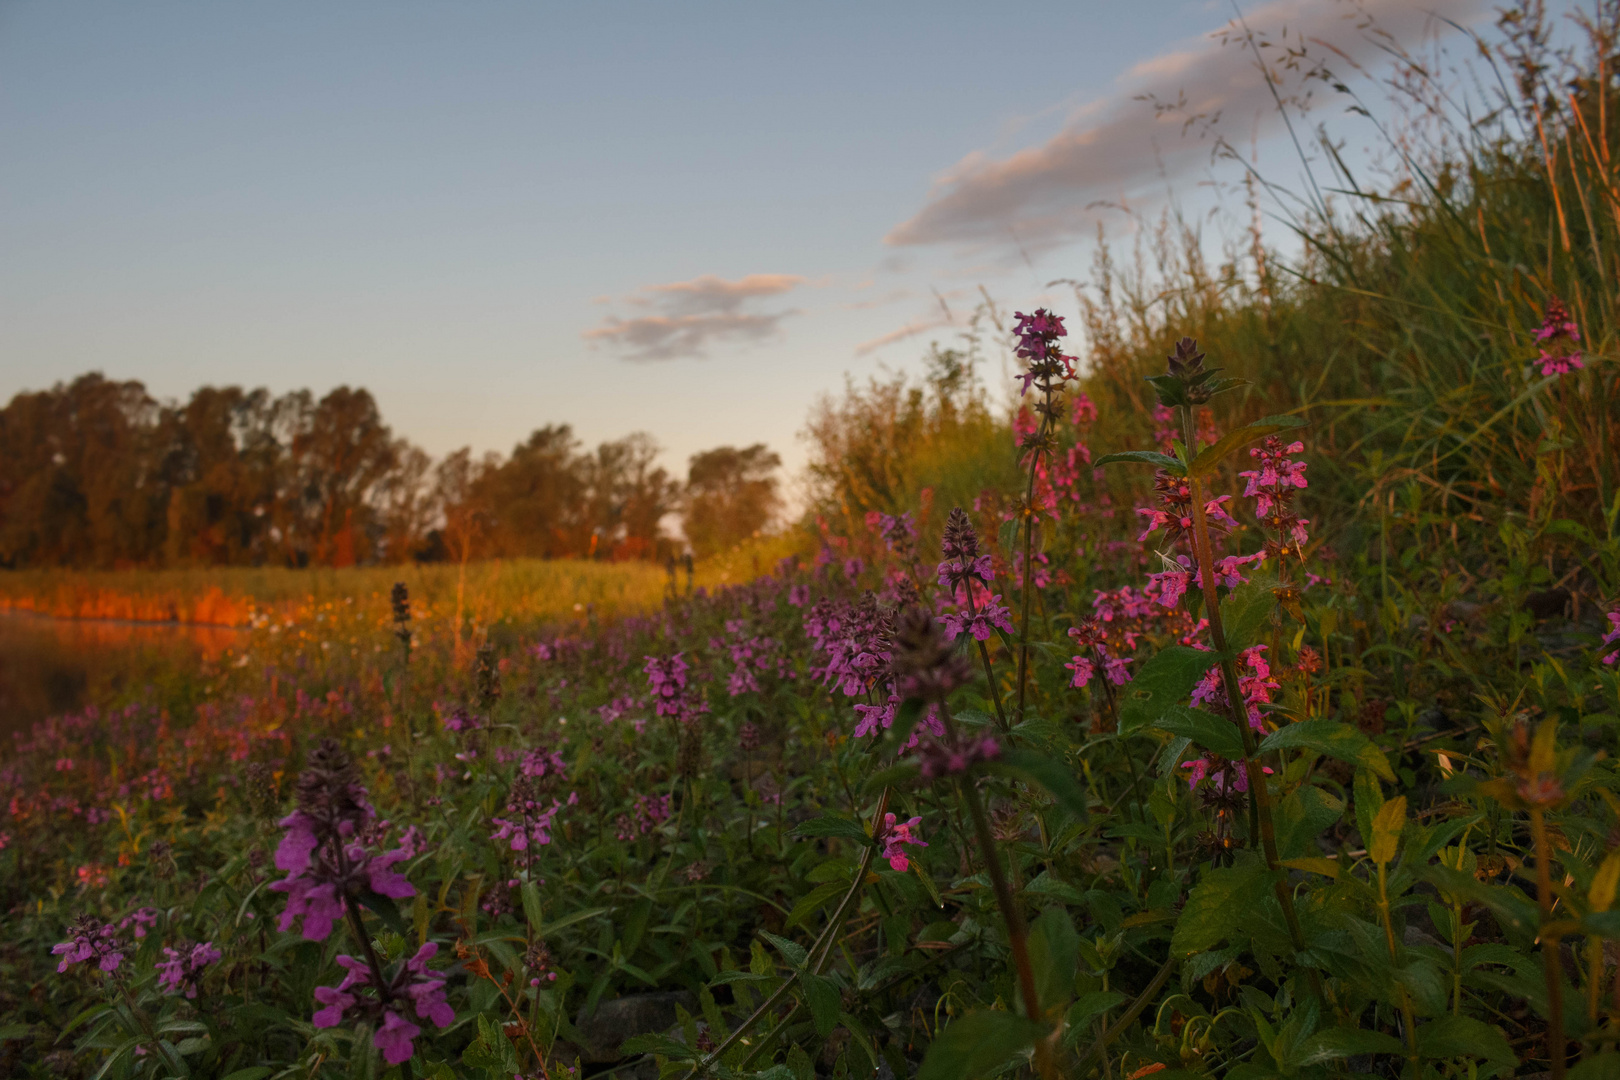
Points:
(394, 1038)
(895, 835)
(1611, 637)
(1256, 686)
(183, 969)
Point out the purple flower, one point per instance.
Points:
(183, 970)
(1611, 637)
(937, 759)
(412, 984)
(91, 939)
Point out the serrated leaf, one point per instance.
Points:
(1051, 773)
(1144, 457)
(1205, 729)
(1456, 1036)
(659, 1044)
(1333, 739)
(1213, 455)
(1337, 1043)
(1246, 611)
(792, 952)
(813, 900)
(1165, 680)
(1387, 826)
(1054, 951)
(1217, 904)
(976, 1044)
(829, 825)
(822, 996)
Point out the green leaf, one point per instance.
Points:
(1455, 1036)
(822, 996)
(1212, 456)
(1333, 739)
(1336, 1043)
(1146, 457)
(792, 952)
(1301, 816)
(813, 900)
(977, 1045)
(1205, 729)
(1246, 611)
(531, 906)
(10, 1032)
(1054, 956)
(842, 828)
(252, 1072)
(1091, 1005)
(1217, 904)
(569, 920)
(905, 718)
(1165, 680)
(655, 1043)
(386, 910)
(1598, 1067)
(1050, 772)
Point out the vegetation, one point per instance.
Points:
(1248, 714)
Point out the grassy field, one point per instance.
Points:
(514, 590)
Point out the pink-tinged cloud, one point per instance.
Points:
(911, 329)
(1038, 197)
(694, 314)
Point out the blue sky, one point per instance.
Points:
(687, 219)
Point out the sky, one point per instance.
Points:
(685, 219)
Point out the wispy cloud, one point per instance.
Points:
(1038, 196)
(911, 329)
(688, 316)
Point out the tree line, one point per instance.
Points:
(99, 473)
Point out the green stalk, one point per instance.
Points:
(1556, 1042)
(1410, 1020)
(1029, 544)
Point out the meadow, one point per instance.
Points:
(1241, 702)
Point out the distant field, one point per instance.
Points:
(515, 589)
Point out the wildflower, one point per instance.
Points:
(1557, 336)
(183, 970)
(91, 939)
(1273, 486)
(487, 677)
(1225, 776)
(925, 665)
(1083, 409)
(1255, 686)
(936, 759)
(1037, 343)
(530, 821)
(1174, 513)
(963, 562)
(400, 599)
(413, 984)
(893, 835)
(327, 863)
(1611, 637)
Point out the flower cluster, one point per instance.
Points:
(893, 835)
(328, 864)
(649, 812)
(529, 820)
(936, 758)
(1272, 486)
(1255, 684)
(1611, 654)
(412, 984)
(90, 939)
(1037, 343)
(967, 574)
(184, 968)
(1558, 336)
(666, 678)
(1174, 514)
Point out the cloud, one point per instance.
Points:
(911, 329)
(1038, 196)
(691, 315)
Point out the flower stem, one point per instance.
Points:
(1556, 1042)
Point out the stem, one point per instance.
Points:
(1259, 794)
(1029, 543)
(1556, 1047)
(817, 954)
(1409, 1020)
(1126, 1019)
(1016, 933)
(984, 654)
(358, 927)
